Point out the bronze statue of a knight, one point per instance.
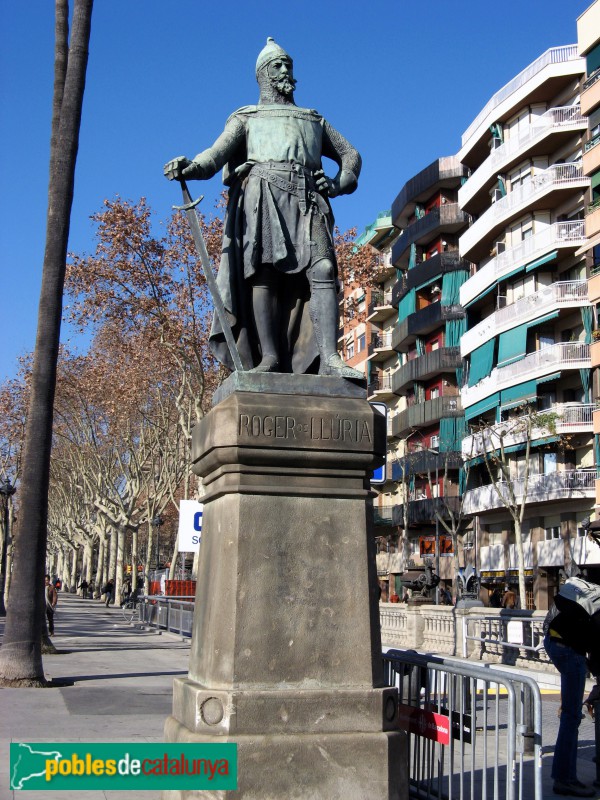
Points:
(278, 274)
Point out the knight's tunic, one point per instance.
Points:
(275, 215)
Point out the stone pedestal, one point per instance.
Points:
(286, 650)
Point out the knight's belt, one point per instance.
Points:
(293, 179)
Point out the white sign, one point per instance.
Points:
(190, 525)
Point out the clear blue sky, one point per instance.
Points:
(401, 80)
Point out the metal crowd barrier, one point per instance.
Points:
(472, 729)
(172, 614)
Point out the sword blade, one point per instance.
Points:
(220, 311)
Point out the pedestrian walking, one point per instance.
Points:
(572, 631)
(51, 597)
(84, 588)
(108, 591)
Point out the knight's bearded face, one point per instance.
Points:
(281, 76)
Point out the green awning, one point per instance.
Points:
(427, 282)
(482, 362)
(520, 392)
(540, 320)
(543, 260)
(477, 409)
(515, 448)
(512, 345)
(480, 295)
(547, 378)
(513, 272)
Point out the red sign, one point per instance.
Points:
(424, 723)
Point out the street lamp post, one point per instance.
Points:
(7, 490)
(156, 523)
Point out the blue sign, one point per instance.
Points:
(379, 476)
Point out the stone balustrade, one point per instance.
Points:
(480, 634)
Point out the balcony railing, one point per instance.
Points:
(576, 483)
(557, 295)
(595, 76)
(423, 511)
(591, 143)
(558, 176)
(382, 515)
(555, 55)
(564, 355)
(568, 418)
(445, 359)
(425, 413)
(445, 216)
(380, 384)
(380, 341)
(551, 120)
(560, 234)
(379, 300)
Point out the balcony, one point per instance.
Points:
(592, 220)
(446, 359)
(539, 70)
(573, 484)
(559, 178)
(427, 270)
(563, 294)
(425, 462)
(591, 155)
(380, 387)
(422, 512)
(556, 357)
(568, 418)
(448, 217)
(380, 346)
(590, 93)
(443, 173)
(557, 236)
(380, 306)
(426, 413)
(423, 322)
(382, 515)
(564, 121)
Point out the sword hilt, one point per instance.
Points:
(189, 203)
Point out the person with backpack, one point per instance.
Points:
(572, 642)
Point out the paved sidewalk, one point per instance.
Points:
(114, 683)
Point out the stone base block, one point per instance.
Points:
(309, 766)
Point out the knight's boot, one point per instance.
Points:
(265, 306)
(324, 315)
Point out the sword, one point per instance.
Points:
(189, 206)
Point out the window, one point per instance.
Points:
(552, 533)
(549, 463)
(520, 177)
(435, 344)
(494, 538)
(435, 392)
(350, 350)
(361, 342)
(435, 441)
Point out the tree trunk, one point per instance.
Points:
(112, 556)
(21, 653)
(120, 539)
(149, 557)
(100, 578)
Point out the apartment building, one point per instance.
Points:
(588, 40)
(529, 325)
(415, 368)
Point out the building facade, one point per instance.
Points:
(527, 391)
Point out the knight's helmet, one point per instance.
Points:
(269, 53)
